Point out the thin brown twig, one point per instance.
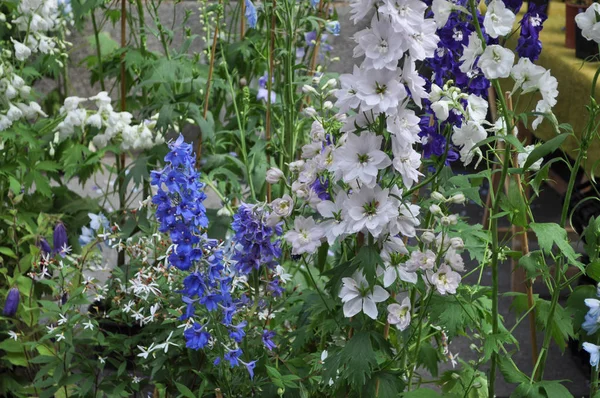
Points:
(269, 89)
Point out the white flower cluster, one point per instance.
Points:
(496, 62)
(37, 19)
(111, 125)
(14, 98)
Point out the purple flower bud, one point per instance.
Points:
(60, 239)
(12, 302)
(45, 246)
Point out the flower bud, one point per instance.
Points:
(445, 221)
(309, 89)
(455, 376)
(457, 243)
(328, 105)
(12, 302)
(310, 111)
(296, 167)
(437, 196)
(44, 246)
(477, 385)
(453, 219)
(330, 83)
(427, 237)
(60, 239)
(274, 175)
(458, 199)
(435, 210)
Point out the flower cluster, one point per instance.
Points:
(36, 19)
(15, 101)
(110, 125)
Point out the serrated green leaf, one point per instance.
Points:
(359, 358)
(550, 234)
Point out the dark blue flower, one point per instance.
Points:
(233, 356)
(238, 332)
(61, 242)
(267, 335)
(44, 246)
(12, 302)
(250, 368)
(195, 337)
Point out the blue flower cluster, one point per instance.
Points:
(179, 208)
(207, 289)
(254, 240)
(529, 44)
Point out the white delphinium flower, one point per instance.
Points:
(413, 81)
(335, 214)
(13, 335)
(406, 162)
(360, 158)
(422, 45)
(407, 15)
(357, 296)
(63, 319)
(360, 8)
(496, 62)
(445, 280)
(380, 45)
(477, 108)
(548, 88)
(346, 94)
(392, 252)
(522, 158)
(371, 209)
(281, 208)
(498, 20)
(406, 221)
(527, 75)
(88, 325)
(380, 91)
(399, 314)
(441, 11)
(470, 53)
(455, 260)
(466, 136)
(22, 52)
(588, 22)
(60, 336)
(421, 260)
(305, 237)
(404, 125)
(544, 108)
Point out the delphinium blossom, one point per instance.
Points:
(108, 125)
(218, 304)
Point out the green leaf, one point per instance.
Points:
(8, 252)
(368, 259)
(359, 358)
(184, 390)
(428, 357)
(593, 270)
(544, 149)
(510, 373)
(550, 234)
(533, 263)
(554, 389)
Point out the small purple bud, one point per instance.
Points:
(64, 298)
(60, 239)
(12, 302)
(45, 246)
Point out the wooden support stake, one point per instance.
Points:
(269, 90)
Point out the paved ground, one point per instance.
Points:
(560, 367)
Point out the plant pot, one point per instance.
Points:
(585, 49)
(571, 12)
